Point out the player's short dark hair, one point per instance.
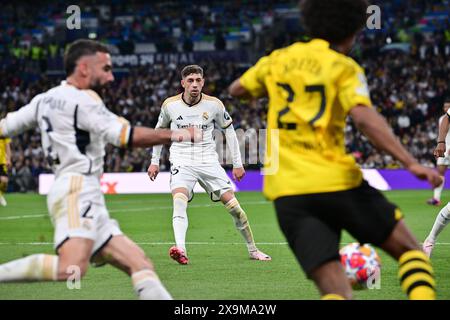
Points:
(333, 20)
(78, 49)
(190, 69)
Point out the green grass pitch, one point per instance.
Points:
(219, 265)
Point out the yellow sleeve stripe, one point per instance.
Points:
(124, 135)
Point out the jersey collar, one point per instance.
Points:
(191, 105)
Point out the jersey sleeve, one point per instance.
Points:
(98, 120)
(21, 120)
(253, 79)
(222, 118)
(164, 118)
(163, 122)
(352, 87)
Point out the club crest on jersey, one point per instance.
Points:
(205, 116)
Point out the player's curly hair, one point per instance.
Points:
(333, 20)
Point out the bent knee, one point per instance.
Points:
(73, 270)
(139, 263)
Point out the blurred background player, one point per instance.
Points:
(441, 162)
(5, 165)
(76, 126)
(319, 190)
(440, 152)
(192, 163)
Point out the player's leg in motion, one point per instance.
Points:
(442, 219)
(436, 200)
(180, 225)
(242, 225)
(127, 256)
(3, 188)
(72, 261)
(415, 271)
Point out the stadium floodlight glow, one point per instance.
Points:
(92, 35)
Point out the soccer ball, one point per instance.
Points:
(360, 263)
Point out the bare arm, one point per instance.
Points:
(236, 89)
(443, 130)
(375, 127)
(146, 137)
(8, 155)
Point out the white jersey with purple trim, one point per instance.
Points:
(75, 126)
(178, 114)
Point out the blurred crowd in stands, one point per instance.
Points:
(407, 64)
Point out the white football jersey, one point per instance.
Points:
(75, 126)
(447, 137)
(178, 114)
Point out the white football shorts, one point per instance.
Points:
(211, 177)
(77, 209)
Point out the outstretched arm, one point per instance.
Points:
(21, 120)
(147, 137)
(236, 89)
(8, 155)
(375, 127)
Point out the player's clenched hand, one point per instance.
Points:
(153, 171)
(439, 151)
(191, 134)
(424, 173)
(238, 174)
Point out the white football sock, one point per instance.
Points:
(442, 219)
(438, 190)
(36, 267)
(148, 286)
(241, 222)
(180, 219)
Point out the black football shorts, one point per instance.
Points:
(312, 223)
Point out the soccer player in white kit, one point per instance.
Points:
(192, 163)
(440, 152)
(75, 126)
(442, 164)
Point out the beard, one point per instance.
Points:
(98, 87)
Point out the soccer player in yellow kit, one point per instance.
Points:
(318, 189)
(5, 164)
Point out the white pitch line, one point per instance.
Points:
(150, 243)
(23, 217)
(188, 243)
(149, 208)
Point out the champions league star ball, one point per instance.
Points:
(361, 263)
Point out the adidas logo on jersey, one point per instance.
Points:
(180, 118)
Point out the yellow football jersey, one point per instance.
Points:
(311, 89)
(3, 143)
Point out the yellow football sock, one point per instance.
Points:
(416, 276)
